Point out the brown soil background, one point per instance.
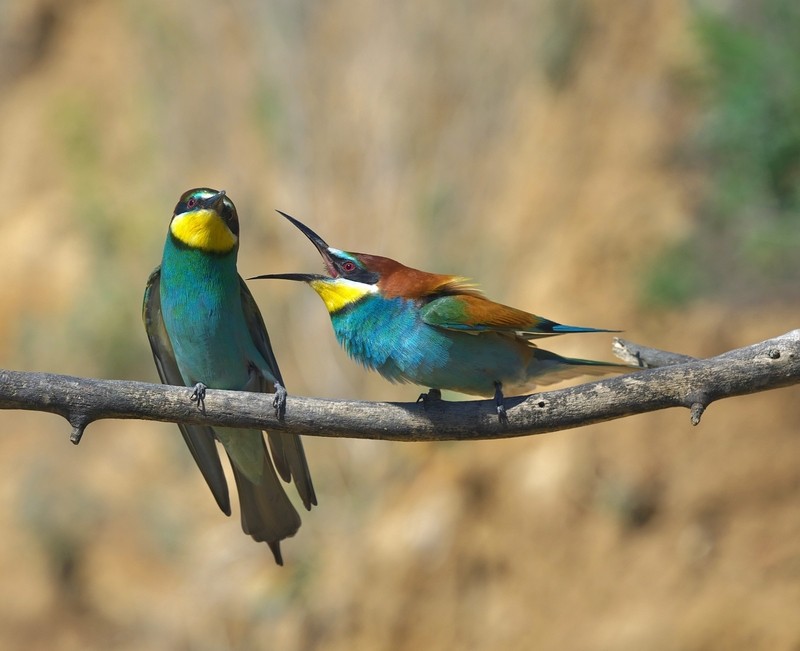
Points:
(527, 145)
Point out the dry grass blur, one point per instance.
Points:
(530, 145)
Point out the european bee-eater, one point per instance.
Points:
(436, 330)
(206, 331)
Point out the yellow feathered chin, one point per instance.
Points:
(203, 230)
(338, 293)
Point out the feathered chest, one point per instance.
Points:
(389, 336)
(197, 284)
(202, 311)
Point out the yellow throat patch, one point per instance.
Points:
(203, 230)
(340, 292)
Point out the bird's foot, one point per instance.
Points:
(499, 403)
(433, 395)
(279, 403)
(199, 396)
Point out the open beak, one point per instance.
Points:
(317, 241)
(301, 277)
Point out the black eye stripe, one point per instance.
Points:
(363, 276)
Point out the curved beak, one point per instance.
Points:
(322, 245)
(316, 240)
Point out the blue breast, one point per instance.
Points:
(202, 310)
(389, 336)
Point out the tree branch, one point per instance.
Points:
(691, 383)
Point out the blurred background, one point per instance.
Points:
(630, 165)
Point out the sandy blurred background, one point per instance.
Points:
(631, 165)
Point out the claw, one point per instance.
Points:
(279, 403)
(502, 416)
(499, 403)
(199, 396)
(433, 395)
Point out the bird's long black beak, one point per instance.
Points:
(322, 245)
(317, 241)
(215, 201)
(301, 277)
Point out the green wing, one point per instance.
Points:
(287, 449)
(199, 438)
(475, 314)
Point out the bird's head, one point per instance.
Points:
(206, 220)
(354, 276)
(351, 276)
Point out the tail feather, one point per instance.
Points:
(290, 460)
(293, 464)
(566, 329)
(549, 368)
(267, 514)
(547, 328)
(278, 451)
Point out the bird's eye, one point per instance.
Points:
(348, 266)
(191, 203)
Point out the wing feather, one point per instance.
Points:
(199, 438)
(287, 449)
(475, 314)
(471, 312)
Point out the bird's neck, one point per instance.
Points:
(180, 259)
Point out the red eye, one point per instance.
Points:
(348, 266)
(191, 203)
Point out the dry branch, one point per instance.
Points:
(691, 383)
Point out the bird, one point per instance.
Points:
(206, 331)
(435, 330)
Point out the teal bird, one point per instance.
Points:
(436, 330)
(206, 331)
